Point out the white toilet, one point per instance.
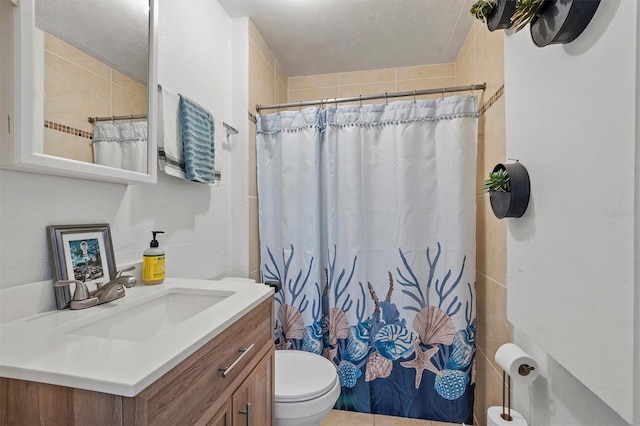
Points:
(306, 388)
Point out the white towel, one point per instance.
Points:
(170, 134)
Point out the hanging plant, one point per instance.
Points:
(562, 21)
(508, 186)
(495, 13)
(526, 10)
(483, 8)
(498, 181)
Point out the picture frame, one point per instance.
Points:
(83, 253)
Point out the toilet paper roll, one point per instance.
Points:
(494, 419)
(516, 363)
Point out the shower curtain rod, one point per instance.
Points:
(117, 118)
(230, 129)
(385, 96)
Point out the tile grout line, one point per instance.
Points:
(499, 93)
(491, 363)
(262, 54)
(491, 279)
(82, 67)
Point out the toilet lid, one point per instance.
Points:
(301, 376)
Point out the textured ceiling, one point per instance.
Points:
(114, 31)
(307, 36)
(325, 36)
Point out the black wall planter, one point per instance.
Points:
(514, 203)
(562, 21)
(500, 18)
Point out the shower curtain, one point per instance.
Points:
(122, 145)
(367, 218)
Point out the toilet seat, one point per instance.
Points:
(302, 376)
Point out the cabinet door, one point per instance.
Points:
(222, 417)
(252, 402)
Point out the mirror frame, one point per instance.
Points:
(23, 148)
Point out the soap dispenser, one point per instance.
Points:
(153, 262)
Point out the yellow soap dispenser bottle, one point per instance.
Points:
(153, 262)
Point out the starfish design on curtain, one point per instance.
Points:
(422, 362)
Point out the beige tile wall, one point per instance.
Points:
(78, 86)
(481, 60)
(371, 82)
(267, 85)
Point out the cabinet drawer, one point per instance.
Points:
(196, 389)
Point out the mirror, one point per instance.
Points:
(85, 80)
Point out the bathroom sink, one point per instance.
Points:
(143, 321)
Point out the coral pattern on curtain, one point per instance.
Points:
(367, 217)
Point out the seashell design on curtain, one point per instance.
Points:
(367, 217)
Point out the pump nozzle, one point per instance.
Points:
(154, 242)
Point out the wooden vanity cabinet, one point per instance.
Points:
(194, 392)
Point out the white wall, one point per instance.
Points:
(571, 119)
(240, 160)
(196, 57)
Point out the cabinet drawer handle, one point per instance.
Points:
(247, 412)
(227, 370)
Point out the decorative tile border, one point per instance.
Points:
(492, 100)
(67, 129)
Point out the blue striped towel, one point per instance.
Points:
(198, 148)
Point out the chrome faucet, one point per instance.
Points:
(81, 295)
(83, 298)
(114, 289)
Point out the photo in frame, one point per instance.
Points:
(83, 253)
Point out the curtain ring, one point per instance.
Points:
(360, 96)
(386, 101)
(336, 101)
(414, 96)
(443, 93)
(300, 106)
(131, 119)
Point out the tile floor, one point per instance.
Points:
(350, 418)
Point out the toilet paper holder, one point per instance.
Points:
(513, 361)
(523, 370)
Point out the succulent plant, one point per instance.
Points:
(498, 181)
(482, 9)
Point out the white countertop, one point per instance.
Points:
(39, 348)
